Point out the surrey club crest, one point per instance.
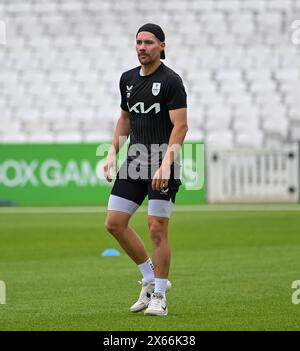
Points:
(156, 88)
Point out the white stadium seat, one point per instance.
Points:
(13, 137)
(249, 138)
(45, 7)
(245, 119)
(40, 137)
(219, 138)
(254, 5)
(19, 7)
(283, 5)
(203, 5)
(225, 5)
(69, 136)
(276, 125)
(194, 135)
(223, 122)
(97, 136)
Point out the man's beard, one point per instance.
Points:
(145, 61)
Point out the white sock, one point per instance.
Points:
(161, 286)
(147, 270)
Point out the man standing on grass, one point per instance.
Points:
(154, 116)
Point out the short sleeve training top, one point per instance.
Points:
(149, 99)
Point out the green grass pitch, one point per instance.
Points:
(231, 270)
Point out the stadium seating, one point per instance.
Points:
(62, 62)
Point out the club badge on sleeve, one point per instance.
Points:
(128, 90)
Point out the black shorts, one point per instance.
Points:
(128, 194)
(137, 190)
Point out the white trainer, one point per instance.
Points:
(145, 296)
(157, 305)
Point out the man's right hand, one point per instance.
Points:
(110, 163)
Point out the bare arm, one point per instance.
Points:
(179, 119)
(120, 136)
(122, 130)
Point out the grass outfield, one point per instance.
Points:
(231, 270)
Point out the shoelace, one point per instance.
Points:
(158, 296)
(143, 292)
(156, 300)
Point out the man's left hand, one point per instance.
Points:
(161, 178)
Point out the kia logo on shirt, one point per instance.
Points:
(139, 107)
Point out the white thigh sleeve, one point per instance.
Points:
(160, 208)
(117, 203)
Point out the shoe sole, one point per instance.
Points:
(154, 313)
(141, 309)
